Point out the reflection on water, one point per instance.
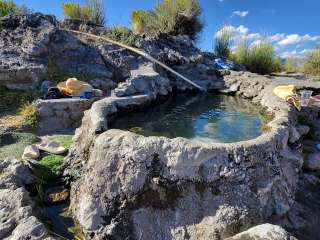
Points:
(204, 117)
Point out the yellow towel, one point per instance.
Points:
(284, 92)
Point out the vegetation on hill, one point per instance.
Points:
(169, 16)
(223, 42)
(290, 65)
(92, 11)
(312, 62)
(122, 34)
(259, 58)
(8, 7)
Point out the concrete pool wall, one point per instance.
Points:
(128, 185)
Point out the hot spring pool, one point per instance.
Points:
(206, 117)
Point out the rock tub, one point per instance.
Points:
(130, 186)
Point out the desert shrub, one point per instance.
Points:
(290, 65)
(223, 41)
(312, 62)
(12, 100)
(258, 58)
(277, 64)
(29, 113)
(169, 16)
(122, 34)
(8, 7)
(92, 11)
(76, 11)
(241, 52)
(97, 15)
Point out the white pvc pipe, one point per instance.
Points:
(140, 52)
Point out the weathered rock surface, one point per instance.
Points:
(313, 161)
(265, 231)
(59, 114)
(32, 48)
(17, 212)
(151, 184)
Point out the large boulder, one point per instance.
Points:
(265, 231)
(17, 213)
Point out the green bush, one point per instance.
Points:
(76, 11)
(91, 12)
(258, 58)
(223, 41)
(29, 113)
(122, 34)
(291, 65)
(277, 64)
(312, 62)
(97, 15)
(241, 53)
(169, 16)
(49, 168)
(8, 7)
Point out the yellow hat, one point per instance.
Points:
(74, 87)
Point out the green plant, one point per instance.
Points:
(8, 7)
(242, 51)
(29, 113)
(277, 64)
(65, 140)
(97, 15)
(312, 62)
(223, 41)
(258, 58)
(49, 168)
(169, 16)
(122, 34)
(10, 101)
(76, 11)
(92, 11)
(291, 65)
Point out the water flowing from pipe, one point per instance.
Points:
(140, 52)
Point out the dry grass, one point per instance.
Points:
(169, 16)
(29, 113)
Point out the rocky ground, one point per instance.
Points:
(126, 186)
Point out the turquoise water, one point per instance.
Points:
(204, 117)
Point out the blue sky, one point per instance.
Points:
(292, 25)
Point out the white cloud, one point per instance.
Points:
(295, 53)
(285, 45)
(234, 31)
(296, 38)
(240, 13)
(277, 37)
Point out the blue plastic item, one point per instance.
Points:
(221, 63)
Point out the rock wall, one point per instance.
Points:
(33, 49)
(60, 114)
